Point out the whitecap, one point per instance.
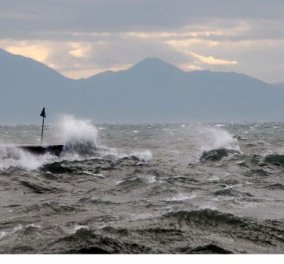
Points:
(145, 155)
(14, 157)
(3, 234)
(209, 138)
(34, 226)
(182, 197)
(150, 178)
(79, 227)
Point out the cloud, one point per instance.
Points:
(36, 18)
(33, 50)
(83, 37)
(211, 60)
(190, 67)
(80, 49)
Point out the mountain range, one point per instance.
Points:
(280, 85)
(150, 91)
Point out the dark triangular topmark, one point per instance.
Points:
(43, 113)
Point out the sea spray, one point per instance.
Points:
(78, 136)
(215, 138)
(13, 157)
(80, 140)
(81, 137)
(189, 142)
(145, 155)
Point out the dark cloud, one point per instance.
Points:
(32, 17)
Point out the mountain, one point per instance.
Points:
(279, 85)
(150, 91)
(26, 85)
(156, 91)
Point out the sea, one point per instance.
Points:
(200, 188)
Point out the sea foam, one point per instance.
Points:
(216, 137)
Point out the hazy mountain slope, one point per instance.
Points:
(153, 90)
(279, 85)
(26, 85)
(150, 91)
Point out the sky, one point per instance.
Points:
(80, 38)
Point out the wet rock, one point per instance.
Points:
(216, 154)
(210, 249)
(275, 159)
(231, 192)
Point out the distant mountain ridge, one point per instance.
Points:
(279, 85)
(150, 91)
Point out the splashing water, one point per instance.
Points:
(145, 155)
(79, 136)
(77, 131)
(13, 157)
(80, 139)
(216, 137)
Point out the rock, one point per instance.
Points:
(275, 159)
(216, 154)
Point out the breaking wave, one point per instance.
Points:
(216, 138)
(217, 154)
(14, 157)
(237, 227)
(78, 136)
(80, 140)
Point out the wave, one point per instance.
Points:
(217, 154)
(79, 137)
(224, 223)
(275, 159)
(14, 157)
(208, 249)
(203, 138)
(231, 192)
(52, 207)
(56, 168)
(216, 138)
(243, 159)
(130, 184)
(145, 155)
(38, 188)
(205, 218)
(275, 186)
(77, 131)
(88, 241)
(80, 140)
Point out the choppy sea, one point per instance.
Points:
(149, 188)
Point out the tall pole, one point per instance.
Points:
(42, 130)
(43, 115)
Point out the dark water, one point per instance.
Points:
(144, 189)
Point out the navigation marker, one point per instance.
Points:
(43, 115)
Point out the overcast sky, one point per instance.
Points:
(80, 38)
